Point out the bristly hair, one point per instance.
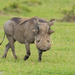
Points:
(24, 22)
(16, 19)
(34, 18)
(42, 20)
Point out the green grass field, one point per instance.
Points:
(59, 60)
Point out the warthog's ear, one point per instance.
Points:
(51, 22)
(34, 30)
(51, 31)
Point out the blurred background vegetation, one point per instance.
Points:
(63, 10)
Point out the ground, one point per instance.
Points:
(59, 60)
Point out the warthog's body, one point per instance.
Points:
(29, 31)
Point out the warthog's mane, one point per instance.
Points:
(16, 19)
(21, 21)
(31, 20)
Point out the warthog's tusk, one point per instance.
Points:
(51, 44)
(35, 41)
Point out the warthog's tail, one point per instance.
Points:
(3, 39)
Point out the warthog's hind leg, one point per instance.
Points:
(11, 42)
(6, 50)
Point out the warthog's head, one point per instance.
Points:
(43, 32)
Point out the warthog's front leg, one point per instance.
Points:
(40, 55)
(27, 51)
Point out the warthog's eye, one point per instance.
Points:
(38, 41)
(38, 30)
(48, 40)
(49, 28)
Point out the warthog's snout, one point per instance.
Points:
(44, 49)
(43, 44)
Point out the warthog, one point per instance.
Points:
(33, 30)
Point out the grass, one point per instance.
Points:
(59, 60)
(49, 9)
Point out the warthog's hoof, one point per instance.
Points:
(4, 56)
(26, 57)
(15, 57)
(39, 60)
